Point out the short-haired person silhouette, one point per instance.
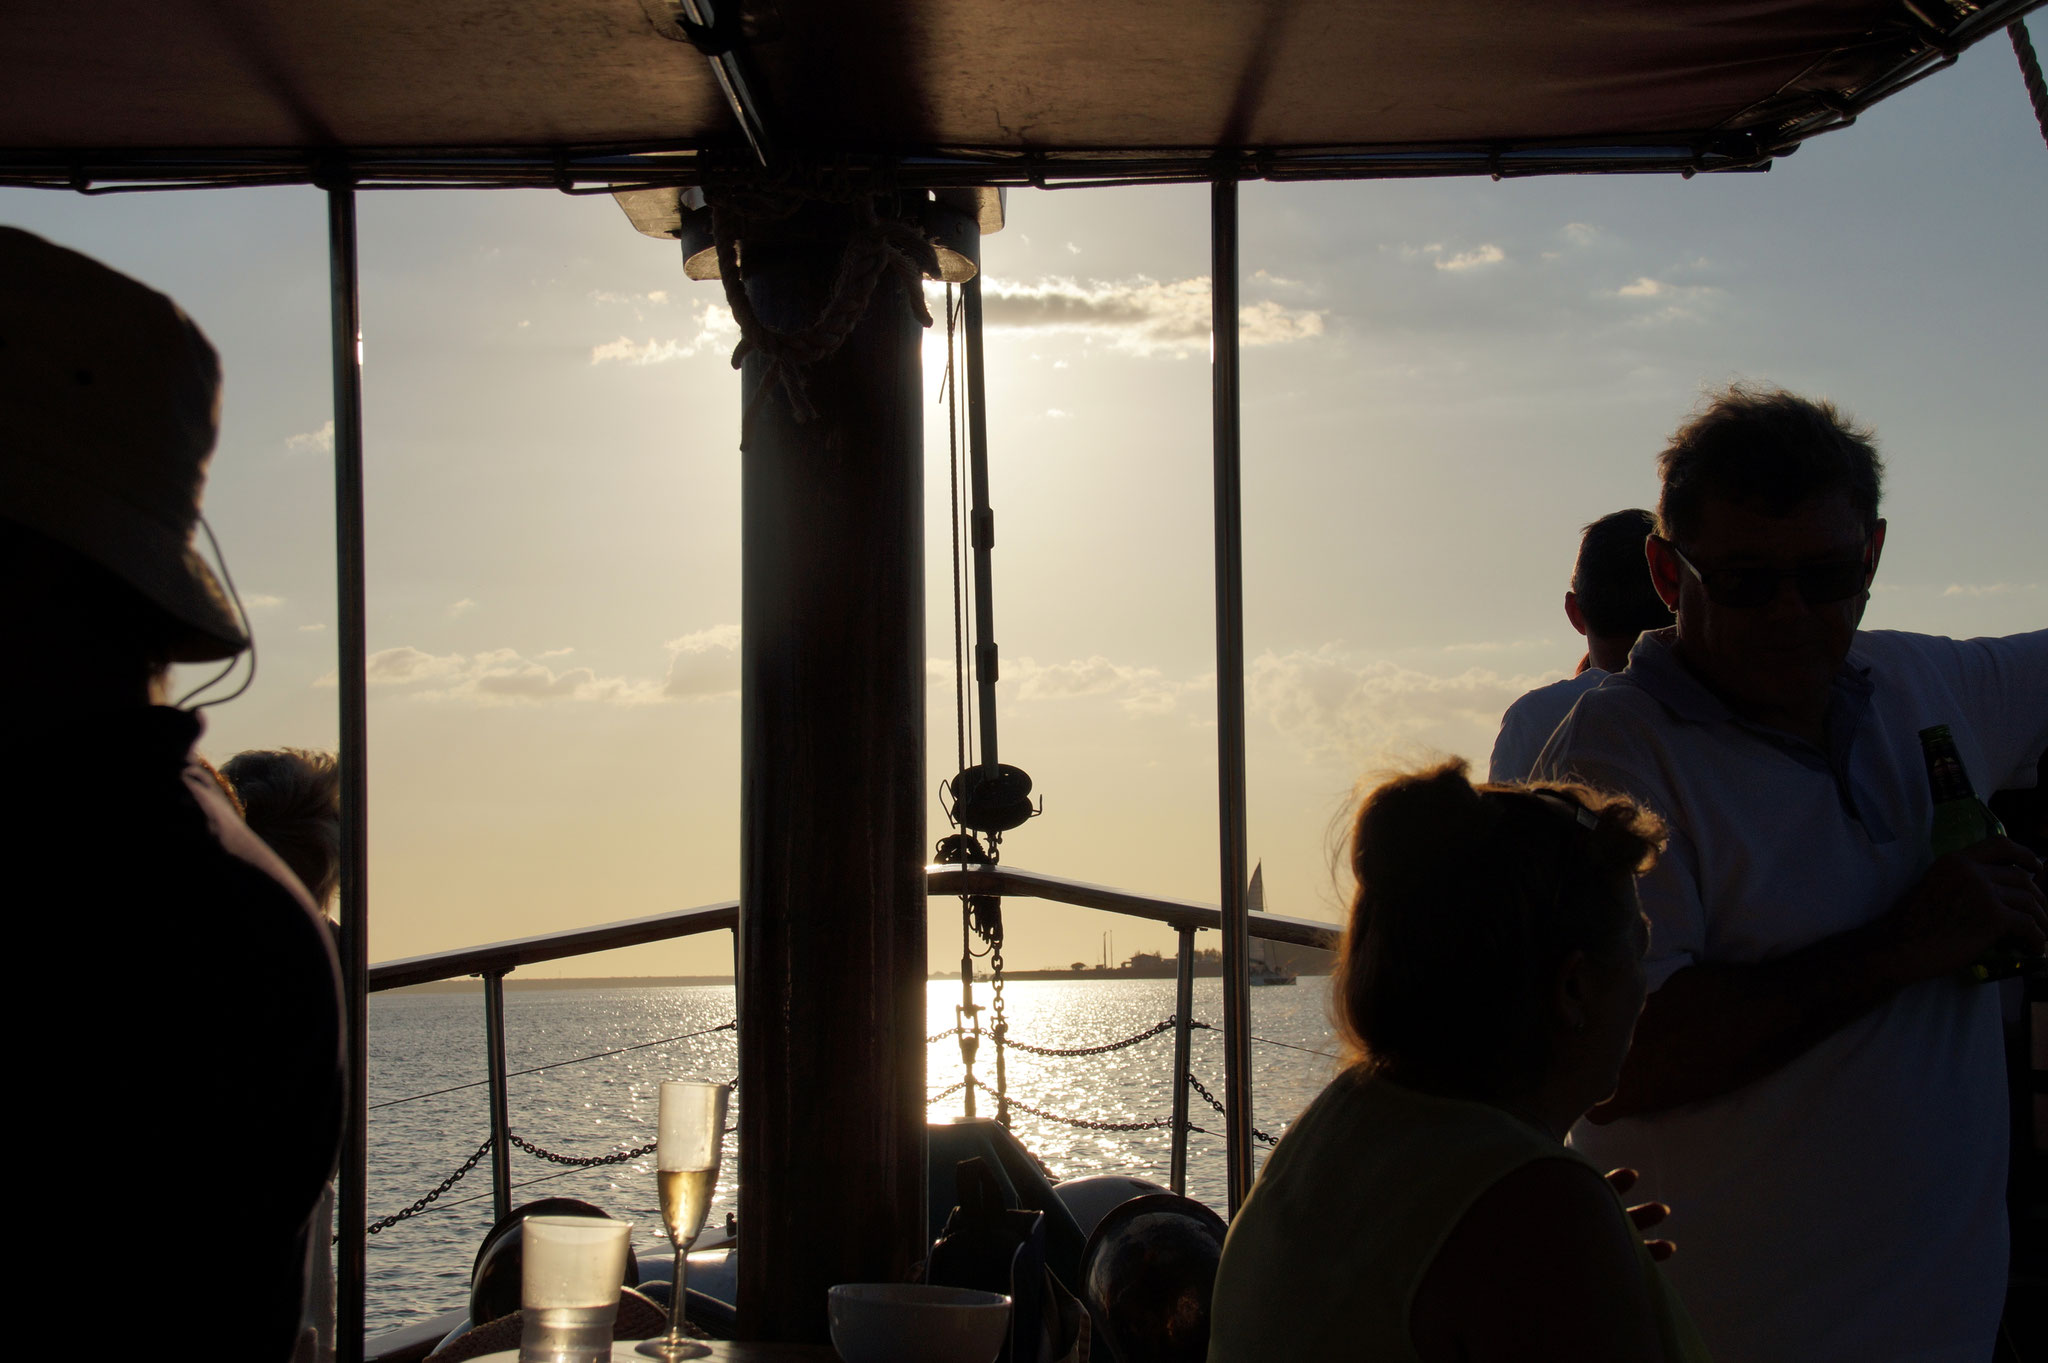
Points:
(1815, 1088)
(291, 798)
(192, 1044)
(1611, 601)
(1425, 1206)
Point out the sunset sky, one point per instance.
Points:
(1443, 380)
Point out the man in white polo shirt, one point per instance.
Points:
(1813, 1088)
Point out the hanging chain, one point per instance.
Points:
(1154, 1030)
(585, 1161)
(1163, 1025)
(1214, 1102)
(1085, 1123)
(428, 1200)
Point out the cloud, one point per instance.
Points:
(533, 681)
(462, 607)
(1677, 302)
(715, 330)
(1989, 588)
(704, 665)
(314, 628)
(1488, 254)
(497, 677)
(1138, 690)
(1365, 714)
(1498, 646)
(1141, 316)
(1456, 262)
(1580, 233)
(1268, 323)
(312, 442)
(257, 601)
(405, 664)
(658, 297)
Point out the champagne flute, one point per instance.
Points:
(686, 1157)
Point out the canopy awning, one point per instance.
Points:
(948, 91)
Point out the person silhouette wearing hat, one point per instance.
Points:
(189, 1055)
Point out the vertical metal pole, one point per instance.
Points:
(501, 1107)
(352, 1202)
(1230, 763)
(832, 778)
(1183, 1037)
(981, 522)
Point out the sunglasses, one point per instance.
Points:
(1747, 588)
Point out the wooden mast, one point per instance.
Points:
(832, 895)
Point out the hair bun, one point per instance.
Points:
(1418, 822)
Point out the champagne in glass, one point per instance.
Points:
(686, 1158)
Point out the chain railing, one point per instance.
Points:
(573, 1162)
(420, 1204)
(585, 1161)
(986, 881)
(1213, 1101)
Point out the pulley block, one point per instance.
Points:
(991, 799)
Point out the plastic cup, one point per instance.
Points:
(570, 1271)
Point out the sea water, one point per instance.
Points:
(425, 1042)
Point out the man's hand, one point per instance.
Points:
(1644, 1214)
(1967, 903)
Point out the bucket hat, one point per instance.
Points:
(109, 407)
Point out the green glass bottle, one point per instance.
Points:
(1962, 820)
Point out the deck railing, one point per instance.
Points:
(495, 960)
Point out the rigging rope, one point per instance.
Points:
(953, 519)
(2030, 71)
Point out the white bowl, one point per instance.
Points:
(912, 1323)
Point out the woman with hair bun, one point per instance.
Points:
(1425, 1207)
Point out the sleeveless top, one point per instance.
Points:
(1324, 1258)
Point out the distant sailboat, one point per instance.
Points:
(1263, 969)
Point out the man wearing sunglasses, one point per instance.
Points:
(1812, 1087)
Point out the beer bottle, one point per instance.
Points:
(1962, 820)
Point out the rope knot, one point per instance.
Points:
(877, 248)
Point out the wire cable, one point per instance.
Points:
(557, 1064)
(248, 632)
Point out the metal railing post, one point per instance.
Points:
(352, 1177)
(1183, 1038)
(501, 1108)
(1230, 760)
